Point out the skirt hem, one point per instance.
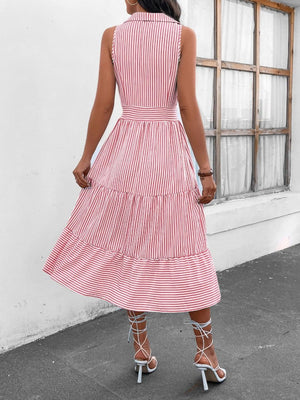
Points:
(134, 307)
(177, 284)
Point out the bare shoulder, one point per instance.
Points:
(110, 30)
(108, 34)
(188, 35)
(188, 38)
(107, 38)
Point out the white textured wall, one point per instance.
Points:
(48, 76)
(295, 181)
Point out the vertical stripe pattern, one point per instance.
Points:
(137, 236)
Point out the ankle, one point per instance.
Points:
(205, 348)
(205, 343)
(141, 345)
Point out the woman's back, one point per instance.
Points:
(145, 52)
(148, 135)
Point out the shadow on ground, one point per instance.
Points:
(255, 331)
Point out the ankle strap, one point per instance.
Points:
(203, 332)
(200, 326)
(135, 319)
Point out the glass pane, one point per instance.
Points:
(200, 17)
(205, 95)
(272, 101)
(237, 31)
(270, 159)
(236, 99)
(236, 164)
(274, 38)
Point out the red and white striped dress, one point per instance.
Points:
(137, 237)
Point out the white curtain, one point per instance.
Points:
(270, 158)
(200, 15)
(237, 91)
(272, 101)
(205, 95)
(236, 99)
(236, 113)
(274, 36)
(236, 164)
(237, 31)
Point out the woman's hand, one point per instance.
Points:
(208, 189)
(80, 173)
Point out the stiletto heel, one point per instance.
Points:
(204, 381)
(208, 372)
(141, 366)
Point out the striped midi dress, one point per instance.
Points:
(137, 237)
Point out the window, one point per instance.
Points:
(244, 82)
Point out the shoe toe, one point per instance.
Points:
(225, 373)
(148, 368)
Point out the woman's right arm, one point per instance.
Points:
(189, 109)
(102, 107)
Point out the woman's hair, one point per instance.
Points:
(169, 7)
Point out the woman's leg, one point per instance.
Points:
(204, 316)
(141, 355)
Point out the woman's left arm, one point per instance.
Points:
(102, 107)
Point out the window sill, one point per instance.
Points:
(234, 214)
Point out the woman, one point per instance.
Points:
(136, 237)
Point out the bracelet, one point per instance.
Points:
(203, 174)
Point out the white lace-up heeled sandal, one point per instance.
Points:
(208, 372)
(142, 366)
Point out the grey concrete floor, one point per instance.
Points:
(255, 331)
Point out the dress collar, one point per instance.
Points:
(149, 16)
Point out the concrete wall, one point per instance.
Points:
(49, 70)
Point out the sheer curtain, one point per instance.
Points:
(272, 101)
(236, 113)
(237, 35)
(274, 36)
(270, 158)
(200, 15)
